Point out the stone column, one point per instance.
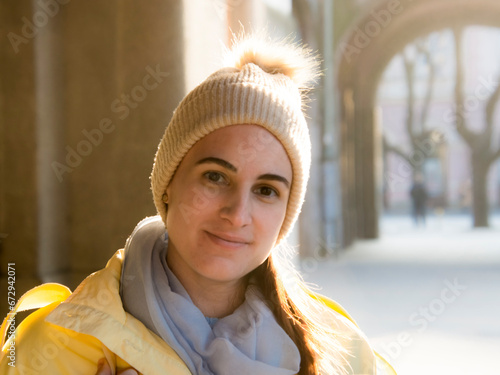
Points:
(53, 260)
(125, 75)
(367, 209)
(18, 197)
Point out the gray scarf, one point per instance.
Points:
(249, 341)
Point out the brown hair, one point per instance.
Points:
(301, 329)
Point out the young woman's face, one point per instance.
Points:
(226, 204)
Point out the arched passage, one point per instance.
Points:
(362, 57)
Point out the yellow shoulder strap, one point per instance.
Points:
(35, 298)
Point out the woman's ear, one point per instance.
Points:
(164, 198)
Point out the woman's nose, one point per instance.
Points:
(237, 209)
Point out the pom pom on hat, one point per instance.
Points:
(279, 57)
(263, 83)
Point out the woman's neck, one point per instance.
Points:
(214, 298)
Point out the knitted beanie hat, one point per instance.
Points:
(263, 84)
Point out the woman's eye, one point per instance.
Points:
(267, 191)
(214, 177)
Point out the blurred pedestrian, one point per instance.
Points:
(418, 195)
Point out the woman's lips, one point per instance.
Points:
(228, 240)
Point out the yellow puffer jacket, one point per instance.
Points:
(74, 330)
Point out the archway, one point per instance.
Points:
(362, 57)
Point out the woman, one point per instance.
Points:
(197, 289)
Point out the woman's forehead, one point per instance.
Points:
(244, 145)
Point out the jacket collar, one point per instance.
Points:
(95, 309)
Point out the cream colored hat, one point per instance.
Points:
(263, 85)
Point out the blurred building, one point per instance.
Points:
(447, 163)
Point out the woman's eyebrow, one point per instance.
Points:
(218, 161)
(274, 177)
(225, 164)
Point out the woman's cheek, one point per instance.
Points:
(203, 195)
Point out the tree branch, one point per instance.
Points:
(430, 83)
(490, 112)
(468, 136)
(410, 101)
(494, 155)
(398, 151)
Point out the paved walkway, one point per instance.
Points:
(428, 298)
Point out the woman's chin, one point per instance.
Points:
(222, 271)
